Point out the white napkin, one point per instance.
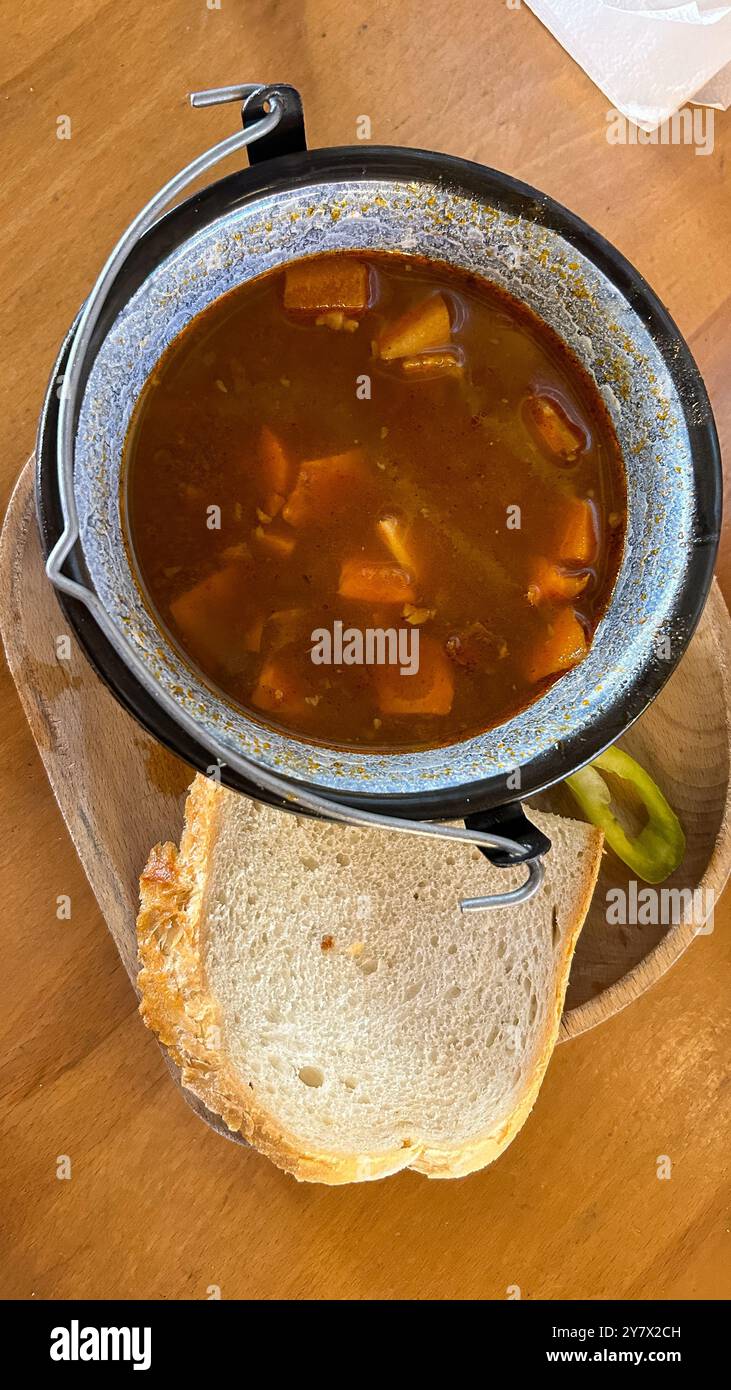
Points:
(649, 57)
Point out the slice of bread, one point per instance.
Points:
(321, 991)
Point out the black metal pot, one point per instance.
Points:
(283, 207)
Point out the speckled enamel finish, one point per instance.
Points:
(537, 266)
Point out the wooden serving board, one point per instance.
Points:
(120, 792)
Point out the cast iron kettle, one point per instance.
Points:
(293, 202)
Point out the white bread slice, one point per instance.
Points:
(321, 991)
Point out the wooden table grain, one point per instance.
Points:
(157, 1206)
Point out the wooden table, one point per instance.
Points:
(158, 1206)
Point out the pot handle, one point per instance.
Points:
(288, 136)
(267, 779)
(511, 821)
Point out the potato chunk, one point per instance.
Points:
(278, 689)
(209, 615)
(422, 328)
(578, 544)
(322, 486)
(560, 436)
(325, 285)
(276, 471)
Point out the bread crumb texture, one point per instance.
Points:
(322, 993)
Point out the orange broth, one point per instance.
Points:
(391, 445)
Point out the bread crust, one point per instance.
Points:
(177, 1004)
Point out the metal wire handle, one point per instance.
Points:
(265, 779)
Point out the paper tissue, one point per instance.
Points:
(649, 57)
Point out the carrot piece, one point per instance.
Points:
(550, 582)
(578, 543)
(555, 431)
(419, 329)
(429, 691)
(563, 646)
(426, 366)
(276, 470)
(376, 581)
(322, 486)
(395, 534)
(325, 285)
(278, 691)
(277, 541)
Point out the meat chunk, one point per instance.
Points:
(476, 648)
(376, 581)
(430, 366)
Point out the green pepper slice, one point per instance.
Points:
(659, 847)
